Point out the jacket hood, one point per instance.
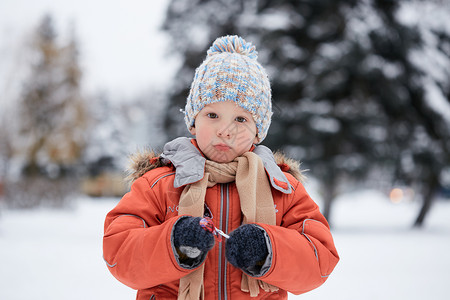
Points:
(147, 159)
(141, 162)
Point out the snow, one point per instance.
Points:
(382, 257)
(57, 254)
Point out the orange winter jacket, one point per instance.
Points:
(138, 248)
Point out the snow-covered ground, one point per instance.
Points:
(56, 254)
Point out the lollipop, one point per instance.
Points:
(208, 225)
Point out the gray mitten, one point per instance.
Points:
(191, 239)
(246, 247)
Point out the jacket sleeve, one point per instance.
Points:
(303, 250)
(137, 243)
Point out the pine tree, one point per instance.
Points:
(52, 110)
(425, 160)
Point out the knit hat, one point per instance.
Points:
(231, 72)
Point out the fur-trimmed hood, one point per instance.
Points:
(141, 162)
(147, 159)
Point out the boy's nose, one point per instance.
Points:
(224, 131)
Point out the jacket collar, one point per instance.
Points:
(190, 164)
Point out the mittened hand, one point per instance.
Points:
(246, 247)
(191, 238)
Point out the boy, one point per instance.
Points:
(275, 239)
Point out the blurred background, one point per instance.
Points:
(361, 97)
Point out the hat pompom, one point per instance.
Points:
(233, 44)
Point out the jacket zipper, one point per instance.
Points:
(223, 225)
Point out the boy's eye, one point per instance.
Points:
(241, 119)
(212, 115)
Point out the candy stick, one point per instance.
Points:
(222, 233)
(208, 225)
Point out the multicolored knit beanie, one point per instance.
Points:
(231, 72)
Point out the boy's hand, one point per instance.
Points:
(246, 247)
(190, 238)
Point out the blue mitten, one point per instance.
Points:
(246, 247)
(190, 238)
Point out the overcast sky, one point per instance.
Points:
(122, 50)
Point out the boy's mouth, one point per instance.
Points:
(222, 147)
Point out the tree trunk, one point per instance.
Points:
(428, 199)
(328, 196)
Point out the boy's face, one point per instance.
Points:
(224, 131)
